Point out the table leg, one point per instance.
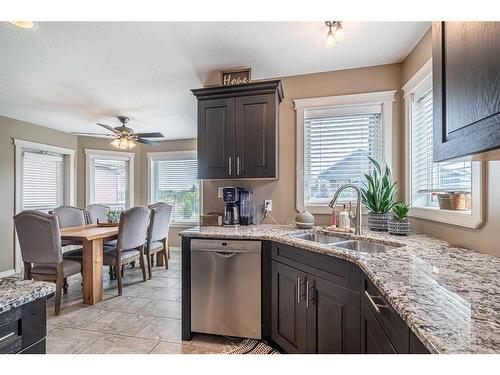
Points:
(92, 271)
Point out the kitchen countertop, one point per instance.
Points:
(14, 291)
(449, 296)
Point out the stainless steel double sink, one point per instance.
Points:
(344, 243)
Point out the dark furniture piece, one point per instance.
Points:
(40, 242)
(24, 328)
(466, 82)
(315, 303)
(238, 130)
(157, 239)
(130, 244)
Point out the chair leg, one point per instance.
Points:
(59, 284)
(65, 285)
(167, 248)
(141, 262)
(112, 275)
(27, 271)
(149, 258)
(118, 274)
(166, 252)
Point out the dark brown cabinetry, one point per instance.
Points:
(373, 338)
(238, 130)
(466, 84)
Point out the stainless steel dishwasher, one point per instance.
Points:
(226, 287)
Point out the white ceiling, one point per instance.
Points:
(70, 75)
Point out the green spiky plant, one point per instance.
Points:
(400, 210)
(379, 191)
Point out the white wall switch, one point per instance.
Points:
(268, 203)
(219, 192)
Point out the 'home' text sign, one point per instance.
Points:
(235, 77)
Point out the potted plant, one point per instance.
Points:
(114, 215)
(400, 222)
(378, 196)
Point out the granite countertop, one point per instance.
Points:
(449, 296)
(14, 291)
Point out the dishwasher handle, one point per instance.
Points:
(225, 254)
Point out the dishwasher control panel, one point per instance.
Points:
(226, 245)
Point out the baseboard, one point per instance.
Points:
(8, 273)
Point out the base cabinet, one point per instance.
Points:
(373, 338)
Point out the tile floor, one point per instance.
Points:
(145, 319)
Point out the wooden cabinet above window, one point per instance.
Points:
(466, 84)
(238, 130)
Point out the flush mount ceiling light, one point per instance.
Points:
(23, 24)
(335, 34)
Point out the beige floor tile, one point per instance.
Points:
(163, 309)
(120, 345)
(163, 282)
(162, 329)
(214, 342)
(121, 323)
(152, 292)
(171, 348)
(170, 273)
(63, 340)
(122, 303)
(77, 316)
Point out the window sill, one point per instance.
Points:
(468, 219)
(184, 224)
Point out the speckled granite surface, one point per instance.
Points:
(449, 296)
(14, 291)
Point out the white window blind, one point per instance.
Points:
(428, 177)
(110, 182)
(42, 182)
(175, 181)
(337, 143)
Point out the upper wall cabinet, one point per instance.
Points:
(466, 88)
(238, 130)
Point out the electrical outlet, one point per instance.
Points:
(219, 192)
(268, 203)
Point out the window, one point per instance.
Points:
(335, 139)
(426, 179)
(173, 179)
(110, 178)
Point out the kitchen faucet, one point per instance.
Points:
(358, 217)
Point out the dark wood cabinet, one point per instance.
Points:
(466, 84)
(238, 130)
(373, 338)
(288, 309)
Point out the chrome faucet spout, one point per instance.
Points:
(358, 225)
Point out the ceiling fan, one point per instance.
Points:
(125, 138)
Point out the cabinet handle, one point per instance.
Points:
(6, 336)
(238, 165)
(230, 166)
(307, 293)
(299, 282)
(372, 302)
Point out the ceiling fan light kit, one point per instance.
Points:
(336, 33)
(125, 138)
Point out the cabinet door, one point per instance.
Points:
(216, 138)
(288, 314)
(333, 324)
(256, 136)
(373, 338)
(466, 81)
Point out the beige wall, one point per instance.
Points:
(485, 238)
(282, 191)
(9, 129)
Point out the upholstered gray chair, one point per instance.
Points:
(132, 231)
(69, 216)
(97, 213)
(40, 243)
(157, 239)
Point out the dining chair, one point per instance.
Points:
(97, 213)
(157, 239)
(69, 216)
(41, 250)
(132, 230)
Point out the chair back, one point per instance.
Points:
(39, 237)
(69, 216)
(97, 212)
(133, 228)
(159, 221)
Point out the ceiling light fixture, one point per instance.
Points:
(23, 24)
(123, 143)
(335, 34)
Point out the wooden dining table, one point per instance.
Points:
(92, 238)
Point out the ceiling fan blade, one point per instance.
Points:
(111, 129)
(95, 134)
(148, 142)
(149, 135)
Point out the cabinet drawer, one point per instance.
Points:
(34, 322)
(10, 334)
(394, 327)
(332, 269)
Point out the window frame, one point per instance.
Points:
(385, 99)
(469, 219)
(109, 155)
(174, 155)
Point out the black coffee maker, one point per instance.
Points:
(237, 209)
